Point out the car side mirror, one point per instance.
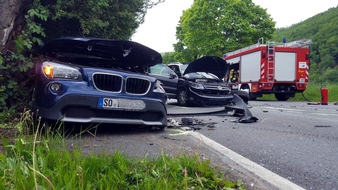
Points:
(172, 76)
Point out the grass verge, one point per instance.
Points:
(43, 161)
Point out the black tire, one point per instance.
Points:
(281, 97)
(251, 95)
(182, 97)
(243, 95)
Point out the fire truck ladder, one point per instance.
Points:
(271, 61)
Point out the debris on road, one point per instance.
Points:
(186, 128)
(238, 108)
(313, 103)
(175, 138)
(172, 123)
(323, 126)
(245, 116)
(187, 121)
(211, 126)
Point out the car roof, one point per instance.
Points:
(175, 63)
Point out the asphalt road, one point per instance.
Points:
(295, 140)
(292, 139)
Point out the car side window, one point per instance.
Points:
(160, 69)
(174, 68)
(156, 69)
(166, 71)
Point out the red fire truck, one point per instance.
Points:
(270, 68)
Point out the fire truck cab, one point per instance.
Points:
(281, 69)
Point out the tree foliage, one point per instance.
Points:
(214, 27)
(323, 30)
(112, 19)
(169, 57)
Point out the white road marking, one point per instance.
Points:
(273, 178)
(301, 111)
(179, 132)
(285, 109)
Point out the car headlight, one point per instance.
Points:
(198, 86)
(55, 70)
(158, 87)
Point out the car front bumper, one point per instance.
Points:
(209, 99)
(84, 109)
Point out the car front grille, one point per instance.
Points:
(137, 85)
(114, 83)
(213, 89)
(107, 82)
(212, 93)
(215, 86)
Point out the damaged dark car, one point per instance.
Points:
(201, 83)
(198, 83)
(92, 80)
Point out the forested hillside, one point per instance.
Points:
(323, 30)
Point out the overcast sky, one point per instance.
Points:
(158, 30)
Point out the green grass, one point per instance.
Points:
(42, 161)
(312, 93)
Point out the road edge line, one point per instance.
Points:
(267, 175)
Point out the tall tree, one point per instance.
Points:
(214, 27)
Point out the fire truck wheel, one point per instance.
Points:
(182, 98)
(281, 97)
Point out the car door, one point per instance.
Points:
(168, 78)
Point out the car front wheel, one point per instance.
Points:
(182, 98)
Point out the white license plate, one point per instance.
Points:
(108, 103)
(124, 104)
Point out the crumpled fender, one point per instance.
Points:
(241, 110)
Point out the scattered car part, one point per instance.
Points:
(240, 108)
(187, 121)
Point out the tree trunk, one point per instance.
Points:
(11, 22)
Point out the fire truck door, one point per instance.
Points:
(250, 67)
(285, 66)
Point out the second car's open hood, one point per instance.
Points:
(208, 64)
(120, 53)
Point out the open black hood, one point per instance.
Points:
(208, 64)
(119, 53)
